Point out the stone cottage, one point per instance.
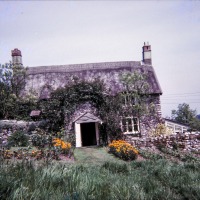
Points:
(44, 79)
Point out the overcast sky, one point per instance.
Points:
(72, 32)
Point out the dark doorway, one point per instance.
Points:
(88, 133)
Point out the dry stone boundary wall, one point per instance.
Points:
(186, 141)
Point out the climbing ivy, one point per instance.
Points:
(64, 102)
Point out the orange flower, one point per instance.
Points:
(60, 143)
(123, 149)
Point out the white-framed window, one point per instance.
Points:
(129, 99)
(130, 125)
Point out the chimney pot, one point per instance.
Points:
(16, 57)
(146, 53)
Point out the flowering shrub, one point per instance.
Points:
(160, 129)
(123, 150)
(45, 154)
(6, 154)
(34, 153)
(25, 154)
(64, 146)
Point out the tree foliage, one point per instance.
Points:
(139, 100)
(136, 93)
(18, 79)
(185, 115)
(12, 82)
(5, 88)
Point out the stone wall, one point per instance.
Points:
(187, 141)
(13, 125)
(150, 119)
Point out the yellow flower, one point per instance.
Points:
(122, 148)
(60, 143)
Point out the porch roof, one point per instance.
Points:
(87, 118)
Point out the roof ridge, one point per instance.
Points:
(92, 63)
(81, 67)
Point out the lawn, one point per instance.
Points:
(95, 174)
(94, 155)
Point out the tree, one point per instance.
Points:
(5, 88)
(12, 82)
(195, 124)
(18, 79)
(185, 115)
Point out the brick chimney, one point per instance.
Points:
(16, 57)
(146, 53)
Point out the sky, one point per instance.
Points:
(73, 32)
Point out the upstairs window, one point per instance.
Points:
(130, 125)
(129, 99)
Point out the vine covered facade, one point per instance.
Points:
(87, 118)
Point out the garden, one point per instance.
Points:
(41, 161)
(52, 168)
(18, 145)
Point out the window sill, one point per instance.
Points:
(130, 133)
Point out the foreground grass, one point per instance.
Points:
(94, 155)
(155, 178)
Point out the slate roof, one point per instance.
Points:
(106, 67)
(174, 122)
(87, 118)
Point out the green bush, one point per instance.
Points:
(41, 138)
(71, 139)
(19, 139)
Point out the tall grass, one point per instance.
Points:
(151, 179)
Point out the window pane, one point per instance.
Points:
(124, 129)
(130, 125)
(133, 101)
(129, 121)
(136, 127)
(130, 128)
(135, 121)
(123, 121)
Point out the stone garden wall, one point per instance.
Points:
(186, 141)
(8, 127)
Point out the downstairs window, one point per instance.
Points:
(130, 125)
